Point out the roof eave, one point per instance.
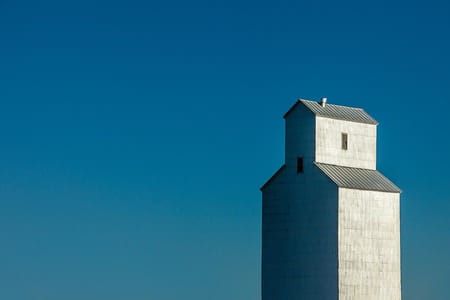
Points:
(291, 109)
(375, 123)
(391, 188)
(272, 178)
(369, 190)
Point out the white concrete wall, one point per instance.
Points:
(362, 141)
(369, 245)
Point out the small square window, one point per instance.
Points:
(299, 165)
(344, 141)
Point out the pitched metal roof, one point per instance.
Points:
(338, 112)
(356, 178)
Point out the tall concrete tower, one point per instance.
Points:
(331, 221)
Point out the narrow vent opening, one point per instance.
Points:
(300, 166)
(344, 141)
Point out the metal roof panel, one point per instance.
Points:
(339, 112)
(357, 178)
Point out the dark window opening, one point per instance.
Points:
(344, 141)
(299, 165)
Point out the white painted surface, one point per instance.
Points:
(369, 245)
(362, 143)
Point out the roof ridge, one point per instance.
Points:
(332, 104)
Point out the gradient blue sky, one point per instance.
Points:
(134, 136)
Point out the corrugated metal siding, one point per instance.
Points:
(339, 112)
(355, 178)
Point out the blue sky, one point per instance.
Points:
(134, 136)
